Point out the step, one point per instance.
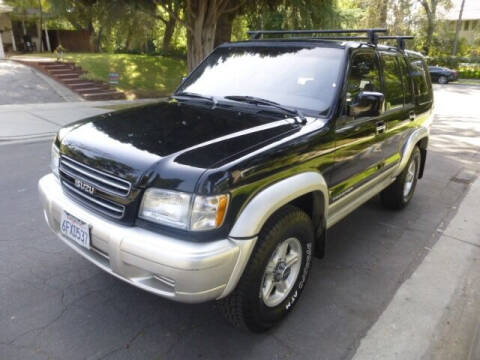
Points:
(87, 84)
(90, 89)
(106, 95)
(74, 81)
(56, 63)
(99, 91)
(65, 71)
(57, 66)
(69, 75)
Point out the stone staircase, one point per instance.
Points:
(69, 75)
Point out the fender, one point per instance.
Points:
(414, 138)
(261, 207)
(266, 202)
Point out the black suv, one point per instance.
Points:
(226, 190)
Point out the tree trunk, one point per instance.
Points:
(223, 32)
(201, 26)
(91, 36)
(459, 27)
(169, 30)
(431, 11)
(430, 31)
(98, 42)
(41, 24)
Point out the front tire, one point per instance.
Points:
(275, 274)
(400, 192)
(443, 80)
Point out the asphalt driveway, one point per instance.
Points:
(56, 305)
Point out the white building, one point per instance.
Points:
(7, 39)
(470, 30)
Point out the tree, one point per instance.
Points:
(431, 7)
(459, 27)
(377, 13)
(172, 9)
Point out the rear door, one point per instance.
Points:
(359, 153)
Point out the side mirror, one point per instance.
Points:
(367, 103)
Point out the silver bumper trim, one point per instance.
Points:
(176, 269)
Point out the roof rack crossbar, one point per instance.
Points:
(372, 33)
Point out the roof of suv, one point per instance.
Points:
(313, 42)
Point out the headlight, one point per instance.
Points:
(166, 207)
(54, 159)
(175, 209)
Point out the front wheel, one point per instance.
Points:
(442, 80)
(276, 273)
(400, 192)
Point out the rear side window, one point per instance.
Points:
(392, 76)
(419, 73)
(407, 82)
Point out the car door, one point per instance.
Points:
(359, 153)
(399, 105)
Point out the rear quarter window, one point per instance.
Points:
(421, 79)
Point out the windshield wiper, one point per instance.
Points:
(299, 117)
(195, 95)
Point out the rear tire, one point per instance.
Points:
(400, 192)
(273, 280)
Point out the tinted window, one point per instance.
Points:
(407, 82)
(364, 75)
(393, 81)
(295, 76)
(420, 75)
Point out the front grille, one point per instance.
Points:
(107, 187)
(102, 181)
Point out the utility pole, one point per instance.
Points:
(459, 27)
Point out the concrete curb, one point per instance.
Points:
(417, 324)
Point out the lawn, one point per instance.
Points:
(140, 75)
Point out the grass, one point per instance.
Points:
(140, 75)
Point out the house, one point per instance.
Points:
(7, 40)
(470, 30)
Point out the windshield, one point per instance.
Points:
(304, 78)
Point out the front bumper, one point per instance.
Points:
(173, 268)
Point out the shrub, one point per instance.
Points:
(453, 62)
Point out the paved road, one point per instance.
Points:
(54, 304)
(19, 84)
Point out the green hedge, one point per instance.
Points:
(453, 62)
(469, 74)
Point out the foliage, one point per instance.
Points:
(469, 71)
(453, 62)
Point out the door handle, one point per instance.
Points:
(411, 115)
(381, 126)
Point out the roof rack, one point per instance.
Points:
(372, 35)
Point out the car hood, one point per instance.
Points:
(170, 143)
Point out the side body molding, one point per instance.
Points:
(265, 203)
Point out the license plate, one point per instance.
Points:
(75, 230)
